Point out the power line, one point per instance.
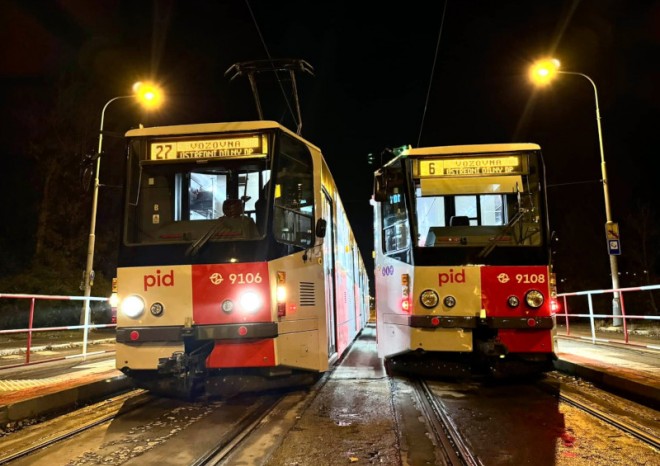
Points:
(435, 59)
(277, 77)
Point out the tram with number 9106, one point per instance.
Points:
(237, 269)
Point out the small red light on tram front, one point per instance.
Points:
(554, 306)
(135, 335)
(405, 305)
(531, 322)
(242, 330)
(435, 321)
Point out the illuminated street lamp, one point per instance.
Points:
(542, 73)
(150, 97)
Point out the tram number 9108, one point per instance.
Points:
(530, 278)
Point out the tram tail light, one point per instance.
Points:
(281, 294)
(555, 307)
(405, 293)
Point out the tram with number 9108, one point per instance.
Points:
(237, 268)
(463, 274)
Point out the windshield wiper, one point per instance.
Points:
(197, 245)
(492, 243)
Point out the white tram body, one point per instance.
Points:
(220, 307)
(463, 276)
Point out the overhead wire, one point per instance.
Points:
(435, 59)
(270, 59)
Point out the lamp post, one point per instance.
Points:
(149, 96)
(541, 73)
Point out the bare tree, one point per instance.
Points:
(643, 233)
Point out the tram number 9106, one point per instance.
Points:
(243, 278)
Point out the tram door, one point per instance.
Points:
(329, 273)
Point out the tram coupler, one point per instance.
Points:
(492, 348)
(176, 364)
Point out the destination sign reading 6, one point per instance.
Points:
(237, 146)
(509, 165)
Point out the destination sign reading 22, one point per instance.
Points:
(239, 146)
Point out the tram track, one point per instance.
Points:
(167, 423)
(649, 439)
(623, 413)
(79, 421)
(230, 442)
(564, 420)
(455, 450)
(112, 431)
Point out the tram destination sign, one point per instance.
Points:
(470, 166)
(227, 147)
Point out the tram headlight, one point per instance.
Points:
(250, 302)
(429, 299)
(132, 306)
(281, 294)
(534, 298)
(113, 300)
(513, 301)
(449, 301)
(157, 309)
(227, 306)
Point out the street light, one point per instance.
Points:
(149, 96)
(542, 73)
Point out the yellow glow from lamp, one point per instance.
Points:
(544, 71)
(148, 94)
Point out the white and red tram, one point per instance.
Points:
(462, 260)
(237, 269)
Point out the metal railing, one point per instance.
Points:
(592, 315)
(31, 329)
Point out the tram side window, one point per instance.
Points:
(396, 232)
(294, 194)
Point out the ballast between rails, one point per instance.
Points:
(30, 329)
(592, 315)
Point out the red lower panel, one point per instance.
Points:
(527, 341)
(258, 353)
(342, 338)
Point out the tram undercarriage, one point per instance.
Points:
(491, 357)
(184, 375)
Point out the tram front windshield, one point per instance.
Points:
(480, 211)
(183, 202)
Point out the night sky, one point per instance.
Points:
(420, 73)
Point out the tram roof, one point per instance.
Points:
(470, 149)
(210, 128)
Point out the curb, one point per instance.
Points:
(61, 400)
(642, 393)
(35, 349)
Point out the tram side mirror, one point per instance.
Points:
(321, 225)
(380, 186)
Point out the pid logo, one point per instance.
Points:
(159, 280)
(451, 277)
